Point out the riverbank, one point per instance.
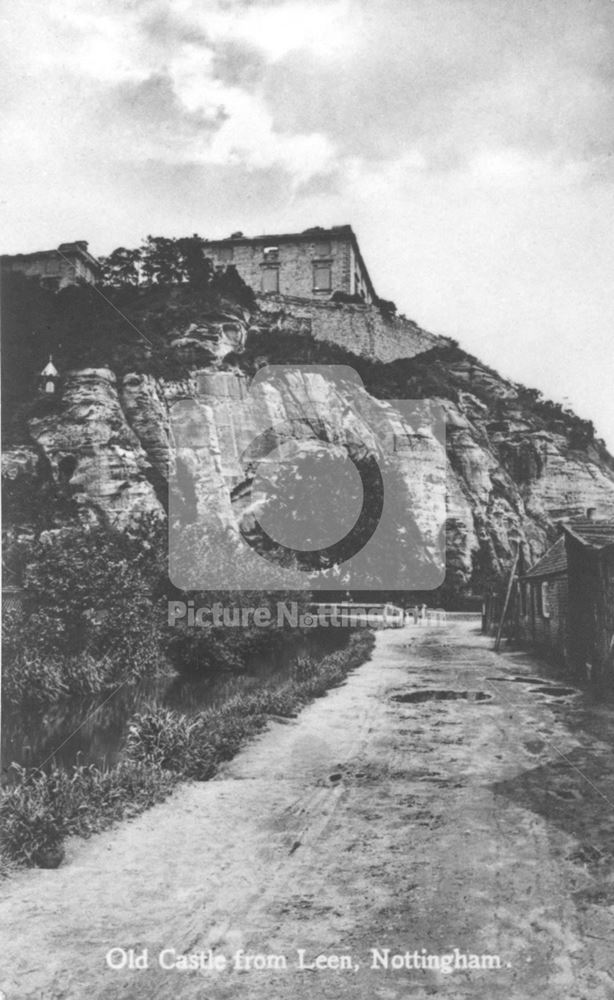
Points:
(163, 747)
(370, 822)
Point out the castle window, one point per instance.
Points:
(224, 253)
(322, 278)
(270, 279)
(322, 248)
(545, 600)
(271, 253)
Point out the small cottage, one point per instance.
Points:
(542, 604)
(565, 602)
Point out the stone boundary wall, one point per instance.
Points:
(359, 328)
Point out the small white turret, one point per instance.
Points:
(49, 377)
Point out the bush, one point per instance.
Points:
(32, 678)
(168, 740)
(92, 618)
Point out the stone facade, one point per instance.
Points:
(55, 269)
(311, 265)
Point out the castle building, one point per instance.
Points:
(313, 264)
(69, 264)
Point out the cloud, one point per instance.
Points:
(153, 86)
(451, 79)
(316, 86)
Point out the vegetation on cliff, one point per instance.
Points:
(152, 291)
(123, 325)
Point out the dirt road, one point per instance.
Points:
(369, 823)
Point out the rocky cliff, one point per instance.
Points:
(515, 464)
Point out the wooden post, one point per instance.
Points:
(510, 584)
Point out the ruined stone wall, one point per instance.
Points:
(358, 328)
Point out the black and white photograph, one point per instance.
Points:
(306, 319)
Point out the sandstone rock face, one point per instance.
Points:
(508, 478)
(212, 337)
(513, 486)
(21, 464)
(91, 449)
(222, 433)
(144, 406)
(567, 484)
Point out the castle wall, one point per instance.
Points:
(359, 328)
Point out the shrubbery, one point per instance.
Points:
(92, 616)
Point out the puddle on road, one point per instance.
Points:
(520, 680)
(555, 692)
(544, 686)
(437, 694)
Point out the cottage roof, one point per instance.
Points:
(593, 534)
(553, 562)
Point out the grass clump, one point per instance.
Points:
(41, 808)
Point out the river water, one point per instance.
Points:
(92, 730)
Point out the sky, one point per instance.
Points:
(468, 142)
